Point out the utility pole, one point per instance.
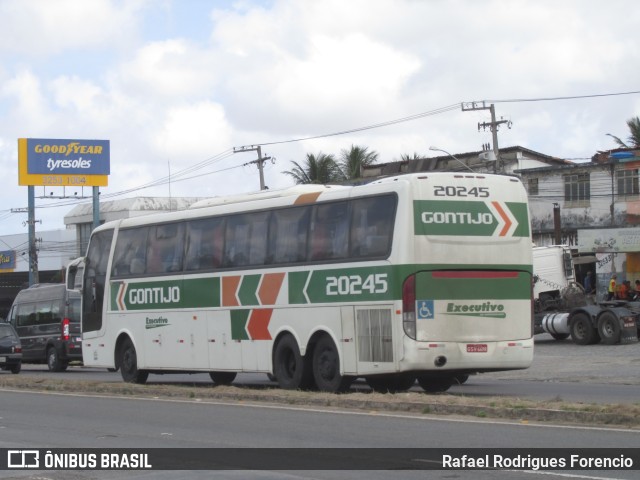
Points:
(260, 161)
(33, 251)
(493, 127)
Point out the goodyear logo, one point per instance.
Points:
(471, 218)
(72, 148)
(68, 157)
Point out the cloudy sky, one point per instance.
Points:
(176, 85)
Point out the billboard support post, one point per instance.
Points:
(96, 207)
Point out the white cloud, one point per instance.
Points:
(193, 129)
(173, 68)
(41, 27)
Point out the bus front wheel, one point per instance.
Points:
(289, 367)
(129, 364)
(326, 367)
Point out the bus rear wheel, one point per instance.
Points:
(435, 384)
(326, 367)
(289, 367)
(223, 378)
(390, 383)
(129, 364)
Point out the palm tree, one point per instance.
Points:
(408, 157)
(634, 134)
(320, 168)
(352, 161)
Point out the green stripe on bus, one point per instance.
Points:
(166, 294)
(468, 218)
(248, 289)
(336, 285)
(239, 320)
(521, 212)
(297, 282)
(428, 286)
(201, 292)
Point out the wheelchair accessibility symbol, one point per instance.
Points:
(424, 309)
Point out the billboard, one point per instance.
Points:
(609, 240)
(63, 163)
(7, 260)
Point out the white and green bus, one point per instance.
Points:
(422, 276)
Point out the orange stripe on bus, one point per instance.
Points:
(307, 198)
(258, 325)
(270, 288)
(505, 217)
(229, 289)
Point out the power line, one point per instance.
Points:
(368, 127)
(572, 97)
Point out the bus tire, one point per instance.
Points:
(582, 332)
(54, 363)
(390, 383)
(129, 364)
(461, 378)
(609, 328)
(223, 378)
(289, 367)
(326, 367)
(435, 384)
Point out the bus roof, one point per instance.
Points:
(265, 194)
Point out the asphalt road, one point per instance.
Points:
(41, 420)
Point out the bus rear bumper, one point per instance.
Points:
(468, 356)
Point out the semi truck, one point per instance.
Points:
(562, 309)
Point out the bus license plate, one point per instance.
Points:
(477, 348)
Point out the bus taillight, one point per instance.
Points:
(65, 329)
(409, 306)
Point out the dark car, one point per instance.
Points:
(10, 349)
(47, 319)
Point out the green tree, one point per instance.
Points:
(352, 161)
(408, 157)
(633, 141)
(320, 168)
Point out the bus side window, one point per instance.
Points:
(246, 240)
(204, 244)
(372, 226)
(165, 248)
(129, 257)
(288, 235)
(329, 231)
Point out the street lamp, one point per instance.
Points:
(436, 149)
